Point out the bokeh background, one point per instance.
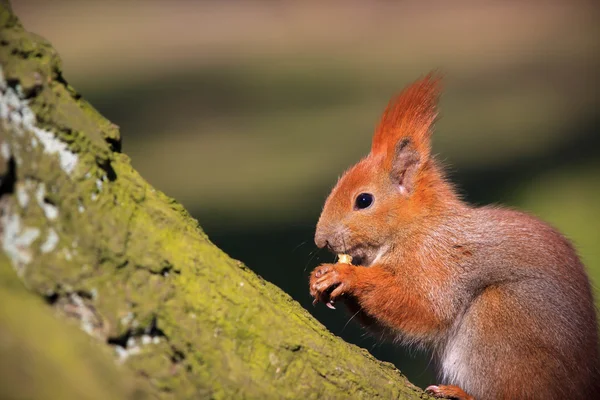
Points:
(248, 111)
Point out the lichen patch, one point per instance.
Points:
(68, 159)
(5, 150)
(50, 210)
(22, 195)
(50, 242)
(16, 115)
(17, 240)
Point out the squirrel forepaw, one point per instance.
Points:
(448, 392)
(330, 281)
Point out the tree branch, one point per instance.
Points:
(85, 232)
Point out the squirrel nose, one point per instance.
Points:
(320, 238)
(320, 241)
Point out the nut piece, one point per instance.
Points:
(344, 259)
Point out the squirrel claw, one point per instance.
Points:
(433, 390)
(448, 392)
(330, 305)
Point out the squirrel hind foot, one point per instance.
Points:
(448, 392)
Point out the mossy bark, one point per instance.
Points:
(42, 357)
(85, 232)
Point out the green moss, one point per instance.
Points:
(41, 357)
(136, 271)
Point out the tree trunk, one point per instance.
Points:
(84, 232)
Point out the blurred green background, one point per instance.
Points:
(248, 111)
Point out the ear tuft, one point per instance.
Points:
(409, 116)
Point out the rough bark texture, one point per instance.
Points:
(171, 316)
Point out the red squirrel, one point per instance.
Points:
(499, 297)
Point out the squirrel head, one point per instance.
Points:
(377, 201)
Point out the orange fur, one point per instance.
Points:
(500, 298)
(410, 114)
(377, 288)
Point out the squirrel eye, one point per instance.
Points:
(363, 200)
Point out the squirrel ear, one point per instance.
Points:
(403, 137)
(405, 164)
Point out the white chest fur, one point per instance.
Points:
(455, 365)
